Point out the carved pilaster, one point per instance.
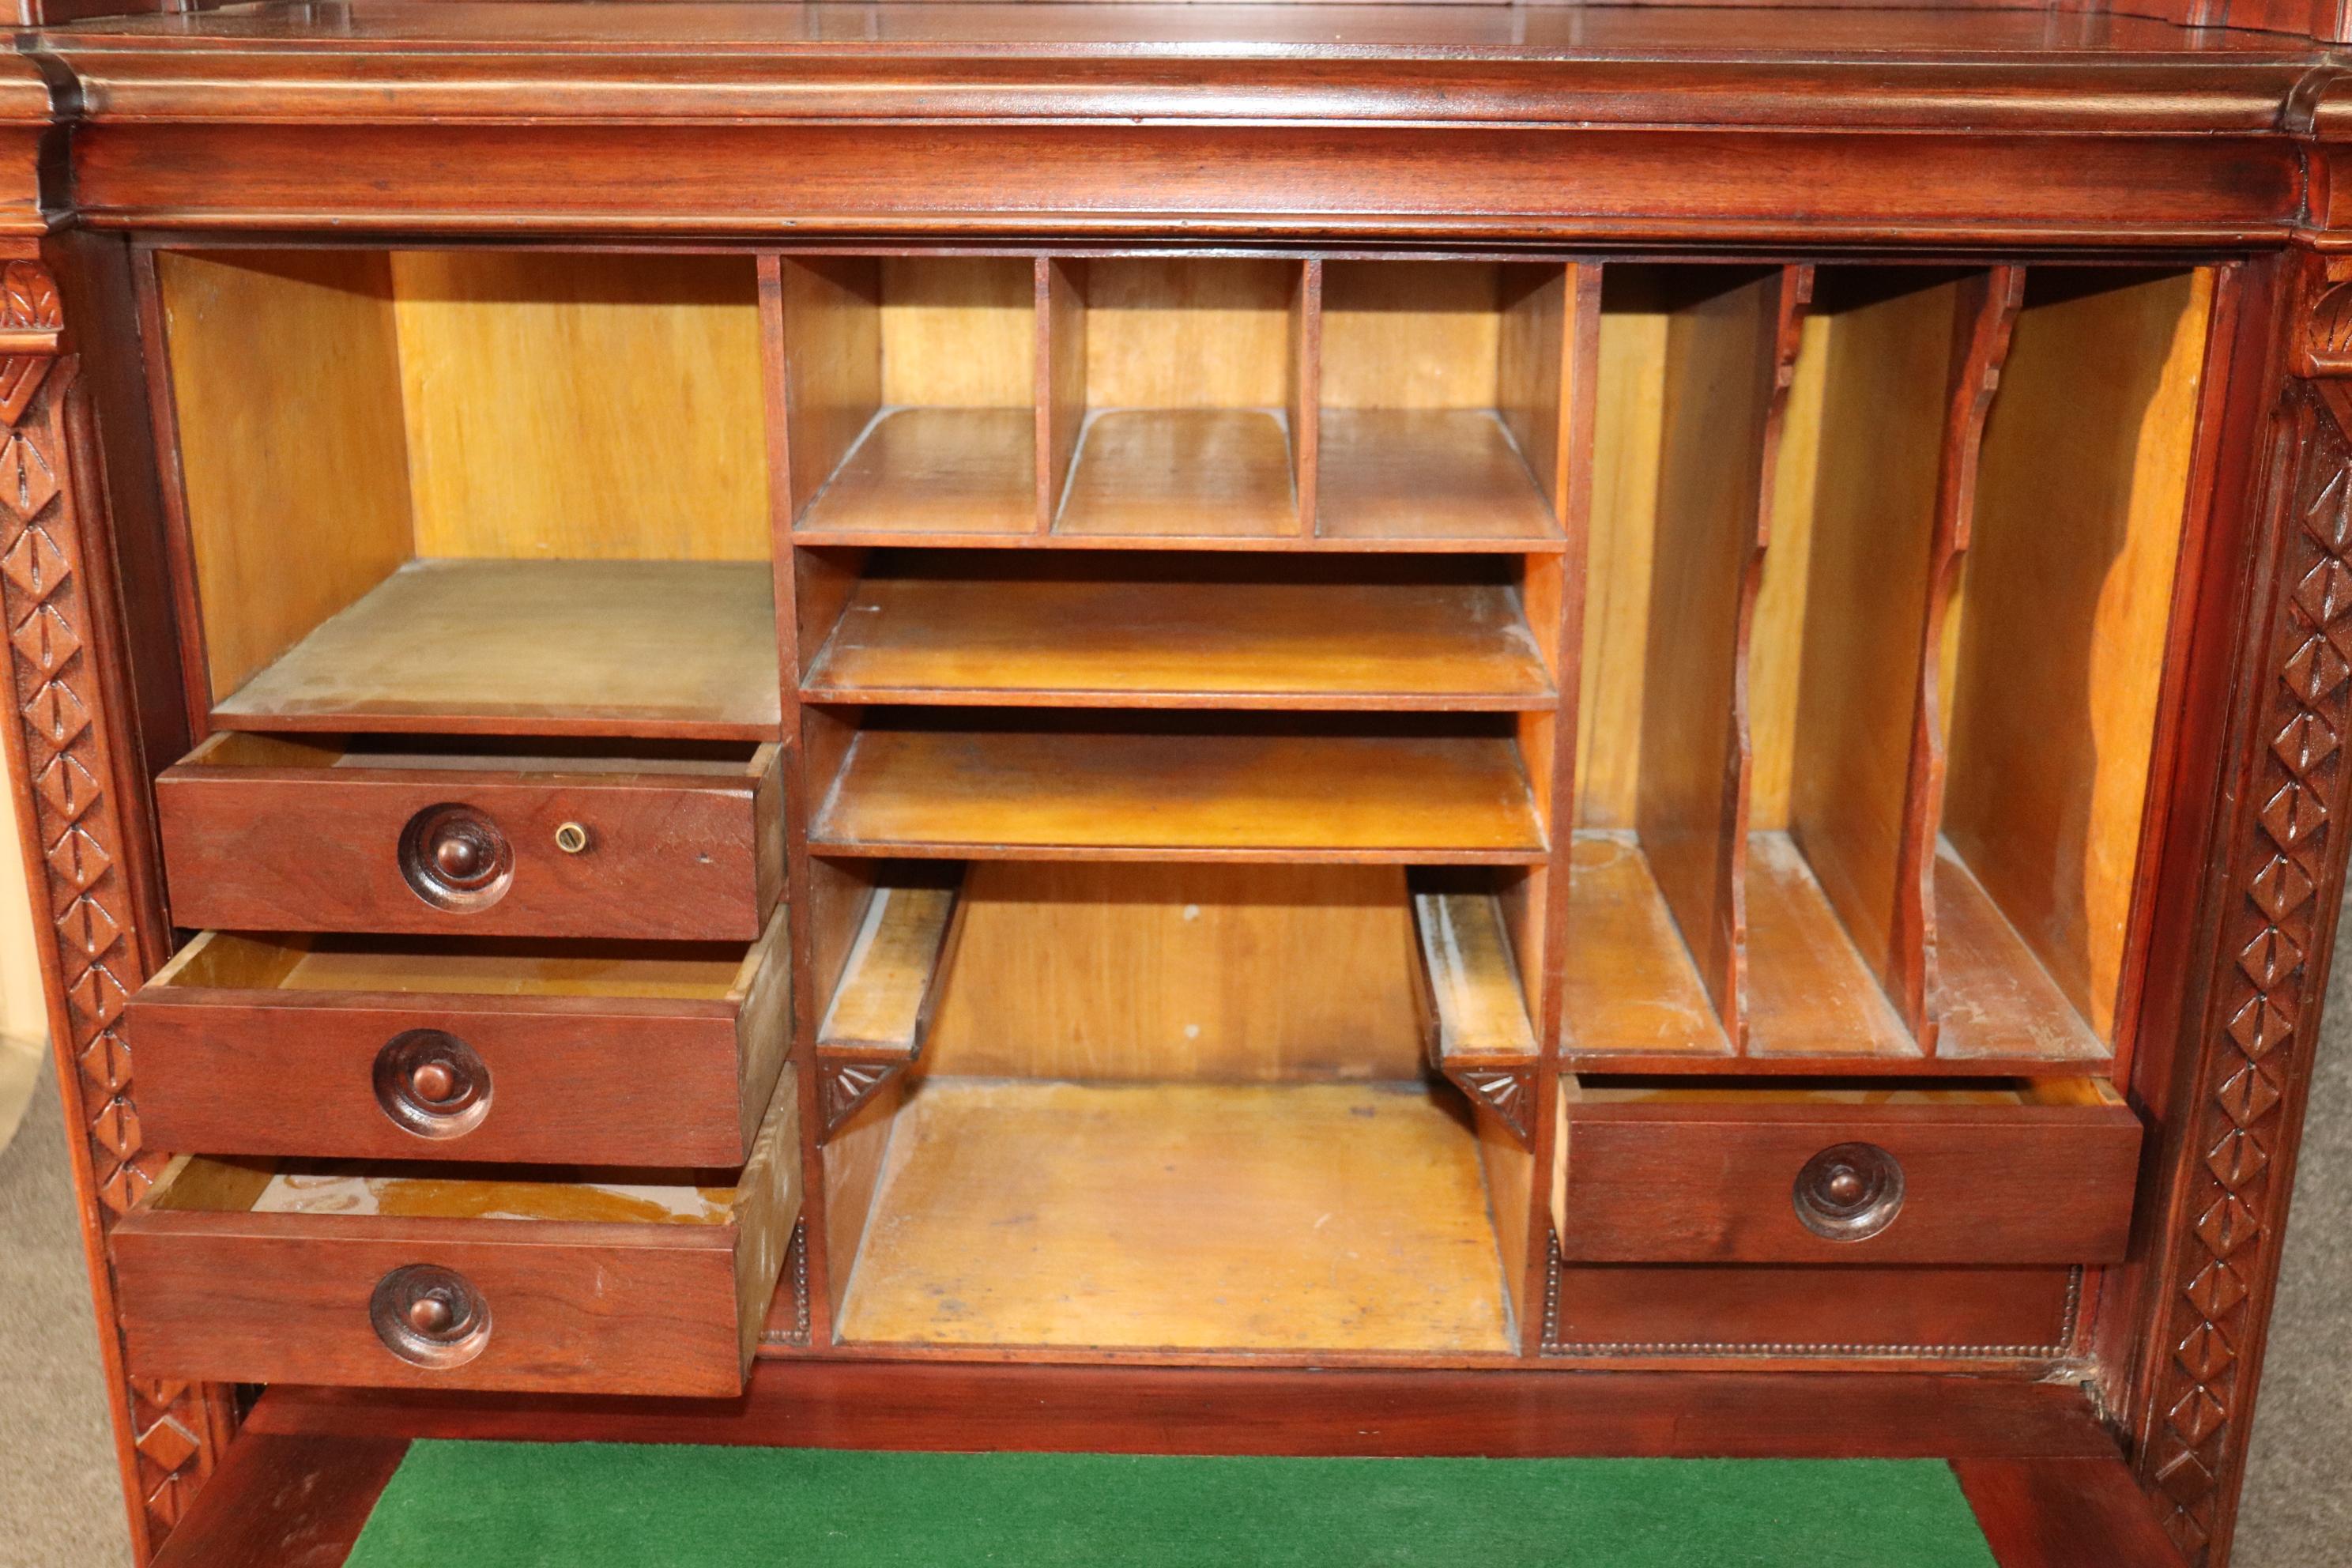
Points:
(64, 749)
(2287, 873)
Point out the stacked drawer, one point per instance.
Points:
(483, 1056)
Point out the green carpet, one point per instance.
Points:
(594, 1505)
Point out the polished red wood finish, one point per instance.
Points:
(687, 857)
(2214, 132)
(1723, 1183)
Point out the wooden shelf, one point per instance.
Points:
(882, 1009)
(670, 648)
(1179, 1217)
(1131, 641)
(1630, 986)
(1426, 473)
(1993, 997)
(1173, 473)
(1809, 991)
(932, 471)
(1180, 794)
(1478, 1008)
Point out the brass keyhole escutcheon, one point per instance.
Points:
(429, 1316)
(432, 1083)
(1849, 1192)
(455, 858)
(572, 838)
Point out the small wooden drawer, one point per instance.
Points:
(1994, 1172)
(679, 842)
(463, 1277)
(571, 1052)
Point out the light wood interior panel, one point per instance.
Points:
(1621, 546)
(286, 374)
(1180, 1216)
(1715, 469)
(1411, 334)
(582, 407)
(1875, 457)
(1171, 472)
(833, 367)
(1188, 331)
(959, 332)
(1217, 973)
(1630, 983)
(2065, 607)
(681, 970)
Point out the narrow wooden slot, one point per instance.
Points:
(699, 972)
(1887, 392)
(881, 1012)
(1441, 390)
(1284, 790)
(1693, 365)
(1292, 1218)
(1191, 368)
(519, 536)
(1477, 1010)
(1161, 630)
(2081, 501)
(910, 385)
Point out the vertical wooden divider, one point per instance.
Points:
(1982, 325)
(1305, 390)
(1549, 364)
(783, 511)
(1061, 379)
(1729, 360)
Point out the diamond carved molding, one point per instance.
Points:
(66, 750)
(2286, 872)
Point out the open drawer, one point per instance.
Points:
(571, 1053)
(1989, 1172)
(678, 841)
(607, 1282)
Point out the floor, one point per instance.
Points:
(59, 1507)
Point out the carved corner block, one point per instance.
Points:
(846, 1083)
(1508, 1091)
(64, 747)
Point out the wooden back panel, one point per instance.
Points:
(286, 377)
(582, 407)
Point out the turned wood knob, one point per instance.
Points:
(429, 1316)
(460, 857)
(432, 1083)
(1849, 1192)
(456, 857)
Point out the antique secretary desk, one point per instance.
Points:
(1430, 727)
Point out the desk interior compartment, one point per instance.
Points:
(523, 1279)
(438, 835)
(434, 491)
(1184, 1107)
(569, 1053)
(1444, 392)
(909, 385)
(1178, 396)
(2049, 666)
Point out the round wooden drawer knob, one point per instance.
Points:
(1849, 1192)
(432, 1083)
(429, 1316)
(455, 858)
